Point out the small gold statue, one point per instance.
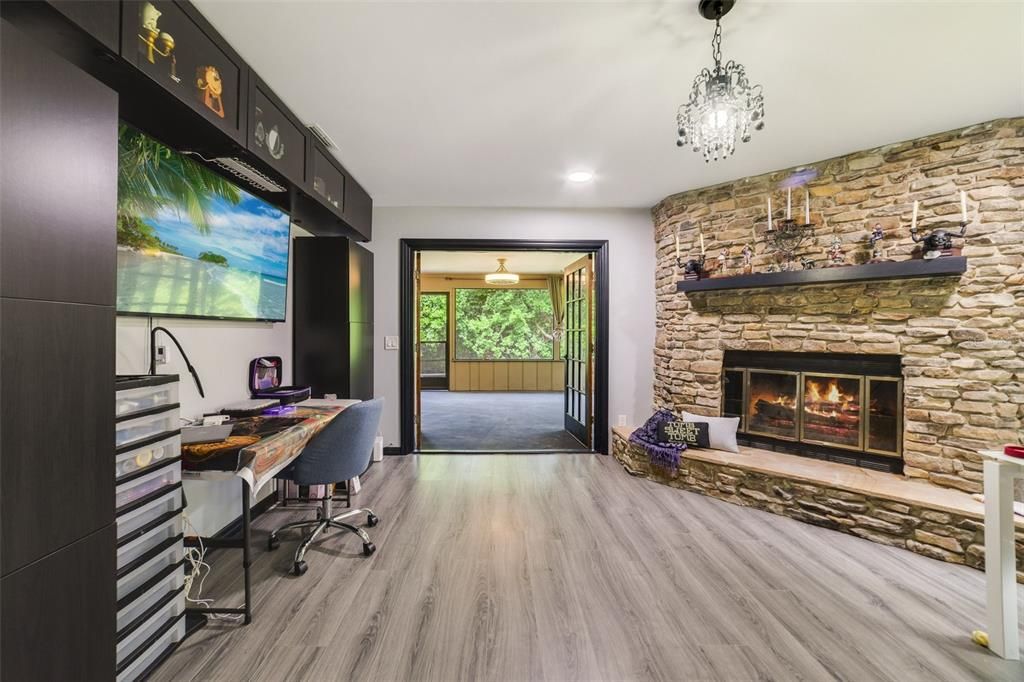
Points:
(209, 83)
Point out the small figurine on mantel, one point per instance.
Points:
(806, 263)
(939, 243)
(835, 252)
(722, 258)
(693, 268)
(748, 259)
(875, 239)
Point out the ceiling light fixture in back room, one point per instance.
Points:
(501, 276)
(723, 104)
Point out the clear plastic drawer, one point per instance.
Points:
(141, 428)
(131, 551)
(132, 400)
(129, 522)
(153, 595)
(146, 456)
(153, 624)
(154, 652)
(136, 488)
(149, 570)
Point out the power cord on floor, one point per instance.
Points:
(199, 569)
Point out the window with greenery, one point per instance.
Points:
(503, 324)
(433, 334)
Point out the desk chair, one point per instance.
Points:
(341, 451)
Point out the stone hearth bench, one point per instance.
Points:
(940, 523)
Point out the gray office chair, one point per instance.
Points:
(340, 452)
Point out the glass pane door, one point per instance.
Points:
(433, 341)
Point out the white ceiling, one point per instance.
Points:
(492, 103)
(476, 262)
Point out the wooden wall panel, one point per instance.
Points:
(501, 376)
(472, 375)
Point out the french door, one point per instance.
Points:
(578, 348)
(433, 330)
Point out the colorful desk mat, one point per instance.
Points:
(260, 447)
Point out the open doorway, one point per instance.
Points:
(513, 367)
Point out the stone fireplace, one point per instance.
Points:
(949, 350)
(840, 407)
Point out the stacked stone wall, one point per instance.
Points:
(961, 339)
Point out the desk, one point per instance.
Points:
(260, 449)
(1000, 554)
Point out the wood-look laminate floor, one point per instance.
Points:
(563, 567)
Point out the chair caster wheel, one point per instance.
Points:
(300, 568)
(369, 548)
(273, 543)
(372, 520)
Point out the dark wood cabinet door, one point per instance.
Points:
(360, 362)
(57, 430)
(358, 209)
(275, 135)
(360, 284)
(58, 613)
(99, 18)
(178, 49)
(58, 177)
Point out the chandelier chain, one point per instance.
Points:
(716, 44)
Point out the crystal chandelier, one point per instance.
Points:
(723, 104)
(501, 276)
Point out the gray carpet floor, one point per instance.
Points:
(483, 420)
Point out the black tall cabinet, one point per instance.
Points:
(58, 197)
(333, 322)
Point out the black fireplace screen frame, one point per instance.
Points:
(866, 367)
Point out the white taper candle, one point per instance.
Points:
(807, 207)
(789, 203)
(913, 220)
(770, 214)
(963, 206)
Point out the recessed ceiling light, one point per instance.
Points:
(581, 176)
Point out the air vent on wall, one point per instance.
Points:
(321, 135)
(243, 171)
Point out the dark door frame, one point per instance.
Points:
(407, 382)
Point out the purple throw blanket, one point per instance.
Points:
(665, 455)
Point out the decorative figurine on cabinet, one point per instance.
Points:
(208, 83)
(939, 243)
(835, 252)
(150, 17)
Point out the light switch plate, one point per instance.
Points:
(390, 343)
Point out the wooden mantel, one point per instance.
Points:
(939, 267)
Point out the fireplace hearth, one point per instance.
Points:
(836, 406)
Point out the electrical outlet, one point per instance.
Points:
(622, 420)
(390, 343)
(161, 355)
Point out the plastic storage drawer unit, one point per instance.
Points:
(140, 428)
(152, 654)
(151, 597)
(137, 637)
(137, 547)
(146, 456)
(134, 400)
(131, 521)
(148, 483)
(147, 570)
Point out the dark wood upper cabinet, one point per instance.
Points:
(178, 49)
(275, 134)
(99, 18)
(58, 183)
(358, 208)
(328, 179)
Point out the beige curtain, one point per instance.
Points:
(557, 305)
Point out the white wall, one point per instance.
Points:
(220, 351)
(631, 283)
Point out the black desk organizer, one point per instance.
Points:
(151, 620)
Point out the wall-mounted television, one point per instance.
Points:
(192, 244)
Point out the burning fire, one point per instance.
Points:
(827, 399)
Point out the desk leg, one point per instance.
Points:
(246, 549)
(1000, 561)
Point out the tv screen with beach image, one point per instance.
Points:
(192, 244)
